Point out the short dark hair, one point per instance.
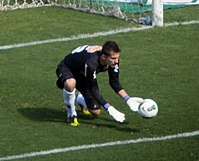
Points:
(110, 46)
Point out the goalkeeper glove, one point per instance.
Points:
(134, 102)
(117, 115)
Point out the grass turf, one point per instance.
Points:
(160, 63)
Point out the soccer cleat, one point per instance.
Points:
(83, 110)
(73, 121)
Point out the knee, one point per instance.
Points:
(70, 84)
(95, 112)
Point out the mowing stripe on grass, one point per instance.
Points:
(93, 146)
(93, 35)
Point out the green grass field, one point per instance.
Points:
(159, 63)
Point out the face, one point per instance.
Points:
(111, 60)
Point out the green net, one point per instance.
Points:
(142, 5)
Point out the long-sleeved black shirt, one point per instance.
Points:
(86, 60)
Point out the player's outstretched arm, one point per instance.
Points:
(92, 81)
(132, 102)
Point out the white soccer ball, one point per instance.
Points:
(148, 108)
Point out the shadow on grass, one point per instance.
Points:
(42, 114)
(116, 126)
(54, 115)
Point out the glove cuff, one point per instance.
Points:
(106, 106)
(126, 98)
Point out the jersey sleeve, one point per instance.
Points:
(92, 81)
(114, 78)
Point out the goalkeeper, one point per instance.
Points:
(78, 70)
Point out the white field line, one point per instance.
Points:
(182, 23)
(93, 146)
(93, 35)
(74, 37)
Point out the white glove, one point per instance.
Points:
(117, 115)
(134, 103)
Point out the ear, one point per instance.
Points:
(103, 56)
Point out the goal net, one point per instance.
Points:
(147, 12)
(131, 10)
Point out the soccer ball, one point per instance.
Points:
(148, 109)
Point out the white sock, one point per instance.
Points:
(80, 100)
(69, 101)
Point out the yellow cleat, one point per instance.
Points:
(73, 121)
(85, 111)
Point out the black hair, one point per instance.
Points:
(110, 46)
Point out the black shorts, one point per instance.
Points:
(63, 73)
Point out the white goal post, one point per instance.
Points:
(157, 13)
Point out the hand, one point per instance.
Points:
(118, 116)
(134, 102)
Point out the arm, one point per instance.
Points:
(114, 79)
(122, 93)
(93, 85)
(91, 77)
(132, 102)
(114, 82)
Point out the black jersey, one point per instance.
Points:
(85, 61)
